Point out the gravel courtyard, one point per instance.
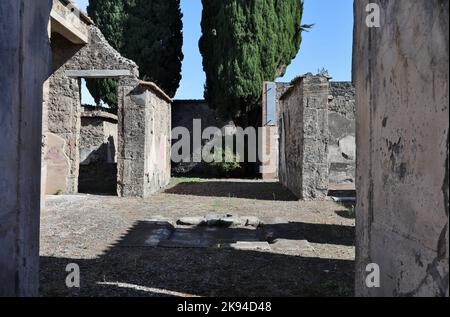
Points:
(298, 249)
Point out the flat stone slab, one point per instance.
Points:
(148, 234)
(229, 235)
(226, 221)
(209, 237)
(252, 221)
(188, 238)
(195, 233)
(191, 221)
(250, 246)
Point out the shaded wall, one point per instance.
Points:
(98, 158)
(144, 139)
(401, 78)
(184, 112)
(304, 137)
(342, 133)
(25, 65)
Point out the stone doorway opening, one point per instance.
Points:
(98, 143)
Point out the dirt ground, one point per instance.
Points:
(90, 231)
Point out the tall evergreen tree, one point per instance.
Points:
(110, 17)
(244, 43)
(154, 40)
(147, 31)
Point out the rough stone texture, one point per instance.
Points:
(184, 112)
(304, 137)
(270, 135)
(143, 140)
(342, 132)
(64, 106)
(98, 137)
(98, 158)
(71, 231)
(401, 78)
(144, 152)
(24, 66)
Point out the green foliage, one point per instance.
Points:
(225, 162)
(154, 41)
(147, 31)
(103, 90)
(110, 17)
(244, 43)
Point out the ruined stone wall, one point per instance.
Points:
(64, 106)
(144, 139)
(304, 137)
(98, 158)
(184, 112)
(25, 60)
(270, 135)
(401, 77)
(342, 133)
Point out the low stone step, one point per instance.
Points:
(215, 220)
(148, 234)
(249, 246)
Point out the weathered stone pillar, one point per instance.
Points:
(144, 133)
(401, 74)
(316, 90)
(24, 66)
(304, 137)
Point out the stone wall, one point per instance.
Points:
(304, 137)
(342, 133)
(401, 74)
(144, 152)
(184, 112)
(98, 158)
(25, 65)
(64, 105)
(270, 135)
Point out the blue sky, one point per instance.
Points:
(328, 45)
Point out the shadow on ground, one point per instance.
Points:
(314, 233)
(145, 271)
(242, 189)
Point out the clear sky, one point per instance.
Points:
(328, 45)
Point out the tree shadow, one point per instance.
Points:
(136, 271)
(315, 233)
(273, 191)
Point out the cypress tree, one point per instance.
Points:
(244, 43)
(110, 17)
(147, 31)
(154, 40)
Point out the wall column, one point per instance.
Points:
(24, 66)
(401, 77)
